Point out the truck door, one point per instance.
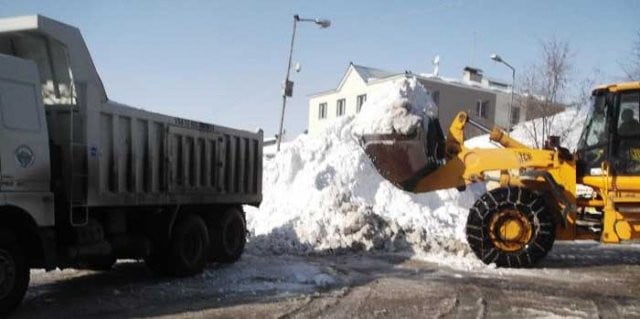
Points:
(24, 146)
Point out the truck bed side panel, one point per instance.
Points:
(144, 158)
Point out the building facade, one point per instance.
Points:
(471, 94)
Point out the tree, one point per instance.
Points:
(544, 89)
(632, 67)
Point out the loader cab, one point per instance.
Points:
(612, 131)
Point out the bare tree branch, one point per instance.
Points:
(631, 68)
(544, 88)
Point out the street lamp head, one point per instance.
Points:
(323, 23)
(496, 58)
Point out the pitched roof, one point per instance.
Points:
(367, 73)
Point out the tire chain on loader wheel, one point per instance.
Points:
(511, 227)
(14, 273)
(228, 236)
(186, 253)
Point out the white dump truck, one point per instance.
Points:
(85, 181)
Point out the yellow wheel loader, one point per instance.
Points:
(516, 224)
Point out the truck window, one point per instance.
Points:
(18, 106)
(53, 64)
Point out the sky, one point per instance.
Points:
(223, 62)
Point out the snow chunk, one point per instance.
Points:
(398, 106)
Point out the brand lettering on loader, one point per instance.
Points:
(524, 157)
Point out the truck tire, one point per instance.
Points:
(188, 251)
(229, 236)
(157, 261)
(101, 263)
(14, 273)
(511, 227)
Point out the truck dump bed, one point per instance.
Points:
(143, 158)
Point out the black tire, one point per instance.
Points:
(102, 263)
(228, 236)
(188, 251)
(157, 261)
(14, 273)
(494, 211)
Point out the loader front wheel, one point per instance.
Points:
(511, 227)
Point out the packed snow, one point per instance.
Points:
(323, 195)
(397, 107)
(568, 125)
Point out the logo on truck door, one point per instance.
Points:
(24, 156)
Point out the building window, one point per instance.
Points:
(515, 115)
(436, 97)
(360, 101)
(341, 105)
(322, 111)
(482, 109)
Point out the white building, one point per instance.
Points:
(485, 99)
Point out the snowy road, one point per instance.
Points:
(577, 280)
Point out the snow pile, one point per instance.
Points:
(397, 107)
(568, 125)
(322, 194)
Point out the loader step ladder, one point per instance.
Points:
(78, 181)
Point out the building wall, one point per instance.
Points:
(351, 88)
(503, 101)
(453, 98)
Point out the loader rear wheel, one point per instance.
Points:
(511, 227)
(14, 273)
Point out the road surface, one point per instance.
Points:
(576, 280)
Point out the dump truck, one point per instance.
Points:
(537, 201)
(85, 181)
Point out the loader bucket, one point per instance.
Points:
(405, 159)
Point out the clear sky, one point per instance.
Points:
(223, 62)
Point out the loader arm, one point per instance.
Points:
(465, 165)
(401, 160)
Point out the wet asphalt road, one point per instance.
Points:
(575, 280)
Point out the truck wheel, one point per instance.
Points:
(511, 227)
(229, 235)
(188, 248)
(157, 262)
(14, 275)
(101, 263)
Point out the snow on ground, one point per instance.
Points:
(323, 195)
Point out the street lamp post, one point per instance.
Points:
(287, 90)
(499, 59)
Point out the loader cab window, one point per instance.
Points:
(627, 146)
(52, 61)
(592, 147)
